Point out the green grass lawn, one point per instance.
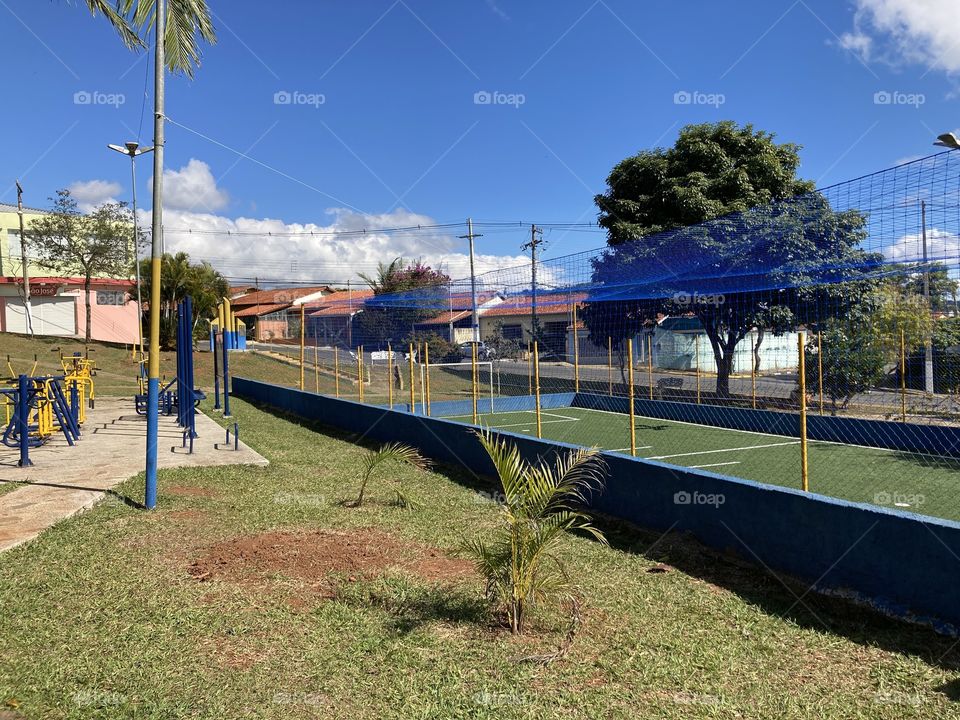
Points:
(921, 484)
(105, 615)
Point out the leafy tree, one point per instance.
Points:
(503, 348)
(403, 296)
(94, 245)
(894, 312)
(540, 503)
(943, 288)
(789, 260)
(179, 278)
(853, 360)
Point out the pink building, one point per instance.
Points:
(58, 309)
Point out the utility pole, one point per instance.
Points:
(23, 259)
(536, 239)
(153, 373)
(927, 342)
(474, 316)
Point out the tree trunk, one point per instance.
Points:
(87, 304)
(756, 351)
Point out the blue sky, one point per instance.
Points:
(383, 127)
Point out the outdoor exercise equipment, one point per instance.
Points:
(232, 330)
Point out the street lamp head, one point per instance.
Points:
(948, 140)
(132, 147)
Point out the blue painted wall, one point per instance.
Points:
(906, 564)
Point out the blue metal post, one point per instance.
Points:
(23, 420)
(226, 381)
(216, 370)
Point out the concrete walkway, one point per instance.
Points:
(65, 480)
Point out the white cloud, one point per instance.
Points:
(272, 250)
(90, 194)
(192, 187)
(923, 32)
(942, 246)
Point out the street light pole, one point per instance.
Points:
(153, 369)
(28, 315)
(133, 150)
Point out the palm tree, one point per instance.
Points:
(392, 452)
(540, 503)
(188, 21)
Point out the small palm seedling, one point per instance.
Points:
(540, 503)
(390, 453)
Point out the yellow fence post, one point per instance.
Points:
(302, 338)
(473, 379)
(633, 427)
(820, 368)
(426, 373)
(360, 373)
(753, 373)
(336, 369)
(650, 364)
(609, 366)
(529, 369)
(696, 345)
(804, 479)
(316, 370)
(576, 352)
(536, 386)
(413, 391)
(903, 377)
(390, 375)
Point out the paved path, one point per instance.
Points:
(65, 480)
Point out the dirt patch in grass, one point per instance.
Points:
(190, 491)
(314, 557)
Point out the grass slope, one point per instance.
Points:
(101, 617)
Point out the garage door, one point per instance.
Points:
(51, 316)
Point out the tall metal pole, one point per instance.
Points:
(532, 246)
(927, 342)
(153, 376)
(474, 317)
(23, 259)
(136, 249)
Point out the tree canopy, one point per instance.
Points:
(69, 242)
(779, 253)
(381, 320)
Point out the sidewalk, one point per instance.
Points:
(65, 480)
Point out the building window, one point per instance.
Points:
(110, 297)
(512, 332)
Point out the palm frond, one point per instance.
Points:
(187, 23)
(391, 452)
(119, 21)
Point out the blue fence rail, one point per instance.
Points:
(903, 564)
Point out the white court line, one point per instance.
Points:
(639, 447)
(694, 467)
(531, 422)
(736, 449)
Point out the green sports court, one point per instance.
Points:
(913, 482)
